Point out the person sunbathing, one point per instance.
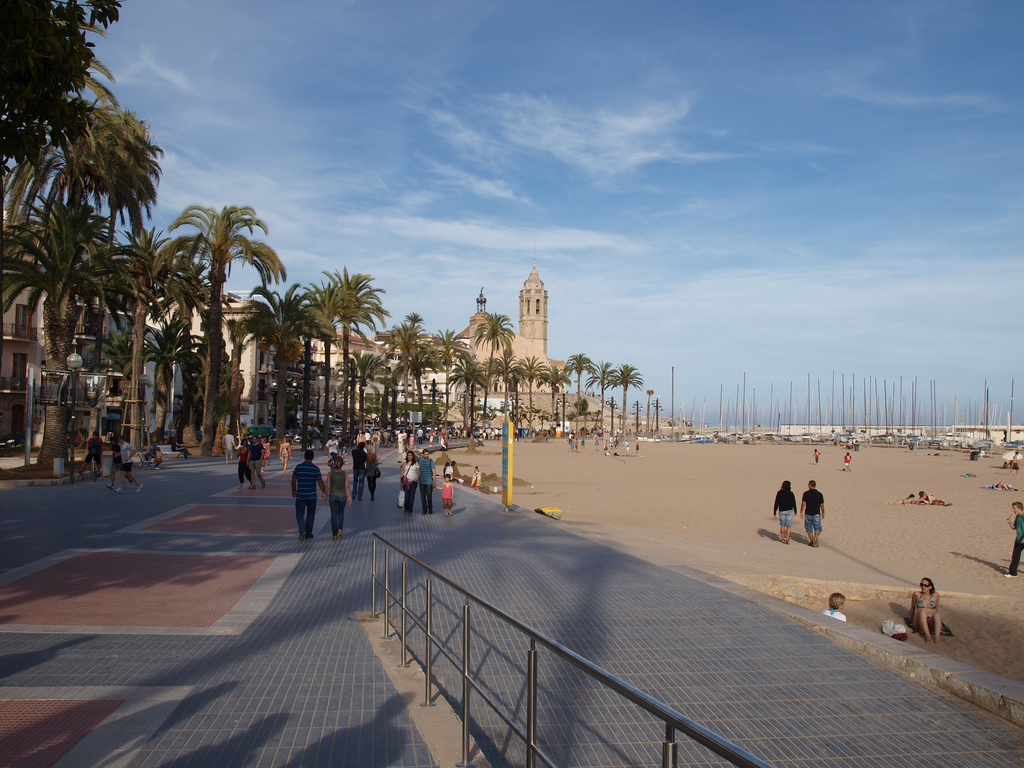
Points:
(924, 611)
(929, 498)
(911, 499)
(1001, 487)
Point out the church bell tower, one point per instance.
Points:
(533, 313)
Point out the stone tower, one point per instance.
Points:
(533, 313)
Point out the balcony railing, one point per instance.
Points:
(13, 383)
(21, 331)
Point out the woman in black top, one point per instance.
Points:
(785, 507)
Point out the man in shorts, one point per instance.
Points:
(256, 461)
(93, 450)
(127, 451)
(812, 511)
(115, 465)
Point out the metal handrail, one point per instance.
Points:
(672, 718)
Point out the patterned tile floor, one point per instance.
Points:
(301, 686)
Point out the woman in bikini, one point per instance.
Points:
(924, 606)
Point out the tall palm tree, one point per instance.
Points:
(368, 368)
(239, 335)
(403, 344)
(326, 303)
(601, 377)
(279, 323)
(221, 239)
(494, 333)
(531, 369)
(627, 376)
(59, 260)
(504, 371)
(170, 343)
(360, 310)
(467, 374)
(449, 348)
(557, 379)
(579, 364)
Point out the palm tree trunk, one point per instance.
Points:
(346, 405)
(214, 351)
(327, 394)
(60, 332)
(307, 360)
(138, 363)
(236, 388)
(281, 395)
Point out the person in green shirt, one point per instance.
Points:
(1016, 521)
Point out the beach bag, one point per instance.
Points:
(401, 499)
(894, 630)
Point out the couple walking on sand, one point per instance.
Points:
(812, 510)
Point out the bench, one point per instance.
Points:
(182, 452)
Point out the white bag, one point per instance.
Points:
(401, 498)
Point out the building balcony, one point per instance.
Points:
(20, 331)
(13, 383)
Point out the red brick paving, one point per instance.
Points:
(230, 518)
(36, 734)
(123, 589)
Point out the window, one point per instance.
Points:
(19, 365)
(538, 306)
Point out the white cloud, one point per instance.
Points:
(488, 188)
(147, 68)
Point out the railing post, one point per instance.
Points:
(387, 591)
(466, 686)
(669, 747)
(428, 655)
(373, 580)
(403, 624)
(531, 705)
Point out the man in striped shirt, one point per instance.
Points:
(305, 478)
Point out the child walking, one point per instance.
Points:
(447, 495)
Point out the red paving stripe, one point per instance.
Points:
(121, 589)
(230, 518)
(36, 734)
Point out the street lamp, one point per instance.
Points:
(564, 398)
(637, 406)
(74, 362)
(433, 403)
(472, 408)
(611, 406)
(657, 407)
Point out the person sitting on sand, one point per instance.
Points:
(1001, 487)
(929, 498)
(924, 609)
(836, 601)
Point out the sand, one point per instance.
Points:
(710, 507)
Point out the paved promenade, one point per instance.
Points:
(187, 626)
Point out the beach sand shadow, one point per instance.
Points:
(994, 566)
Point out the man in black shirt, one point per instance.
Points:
(358, 470)
(812, 511)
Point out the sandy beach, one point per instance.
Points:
(710, 507)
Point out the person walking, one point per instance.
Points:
(115, 464)
(372, 473)
(447, 495)
(127, 452)
(244, 473)
(93, 451)
(305, 479)
(358, 470)
(410, 479)
(812, 512)
(256, 463)
(285, 453)
(846, 462)
(229, 447)
(816, 456)
(427, 467)
(1016, 521)
(785, 508)
(337, 496)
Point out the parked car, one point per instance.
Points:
(13, 439)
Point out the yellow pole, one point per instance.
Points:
(507, 433)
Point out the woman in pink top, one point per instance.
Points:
(447, 495)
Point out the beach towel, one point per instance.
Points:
(946, 631)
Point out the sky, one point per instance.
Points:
(773, 191)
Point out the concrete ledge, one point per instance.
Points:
(36, 482)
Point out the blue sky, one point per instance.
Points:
(729, 187)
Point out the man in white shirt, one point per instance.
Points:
(332, 447)
(127, 451)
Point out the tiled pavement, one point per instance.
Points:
(288, 678)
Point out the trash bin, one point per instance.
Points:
(856, 447)
(106, 461)
(58, 467)
(975, 455)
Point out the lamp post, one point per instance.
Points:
(564, 398)
(611, 406)
(144, 381)
(74, 362)
(637, 407)
(472, 408)
(433, 403)
(657, 407)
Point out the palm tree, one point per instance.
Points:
(239, 335)
(326, 304)
(468, 373)
(368, 368)
(505, 370)
(650, 393)
(360, 310)
(627, 376)
(449, 348)
(556, 378)
(601, 376)
(403, 344)
(220, 240)
(531, 369)
(495, 332)
(169, 344)
(279, 323)
(59, 260)
(579, 364)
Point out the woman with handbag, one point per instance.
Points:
(410, 479)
